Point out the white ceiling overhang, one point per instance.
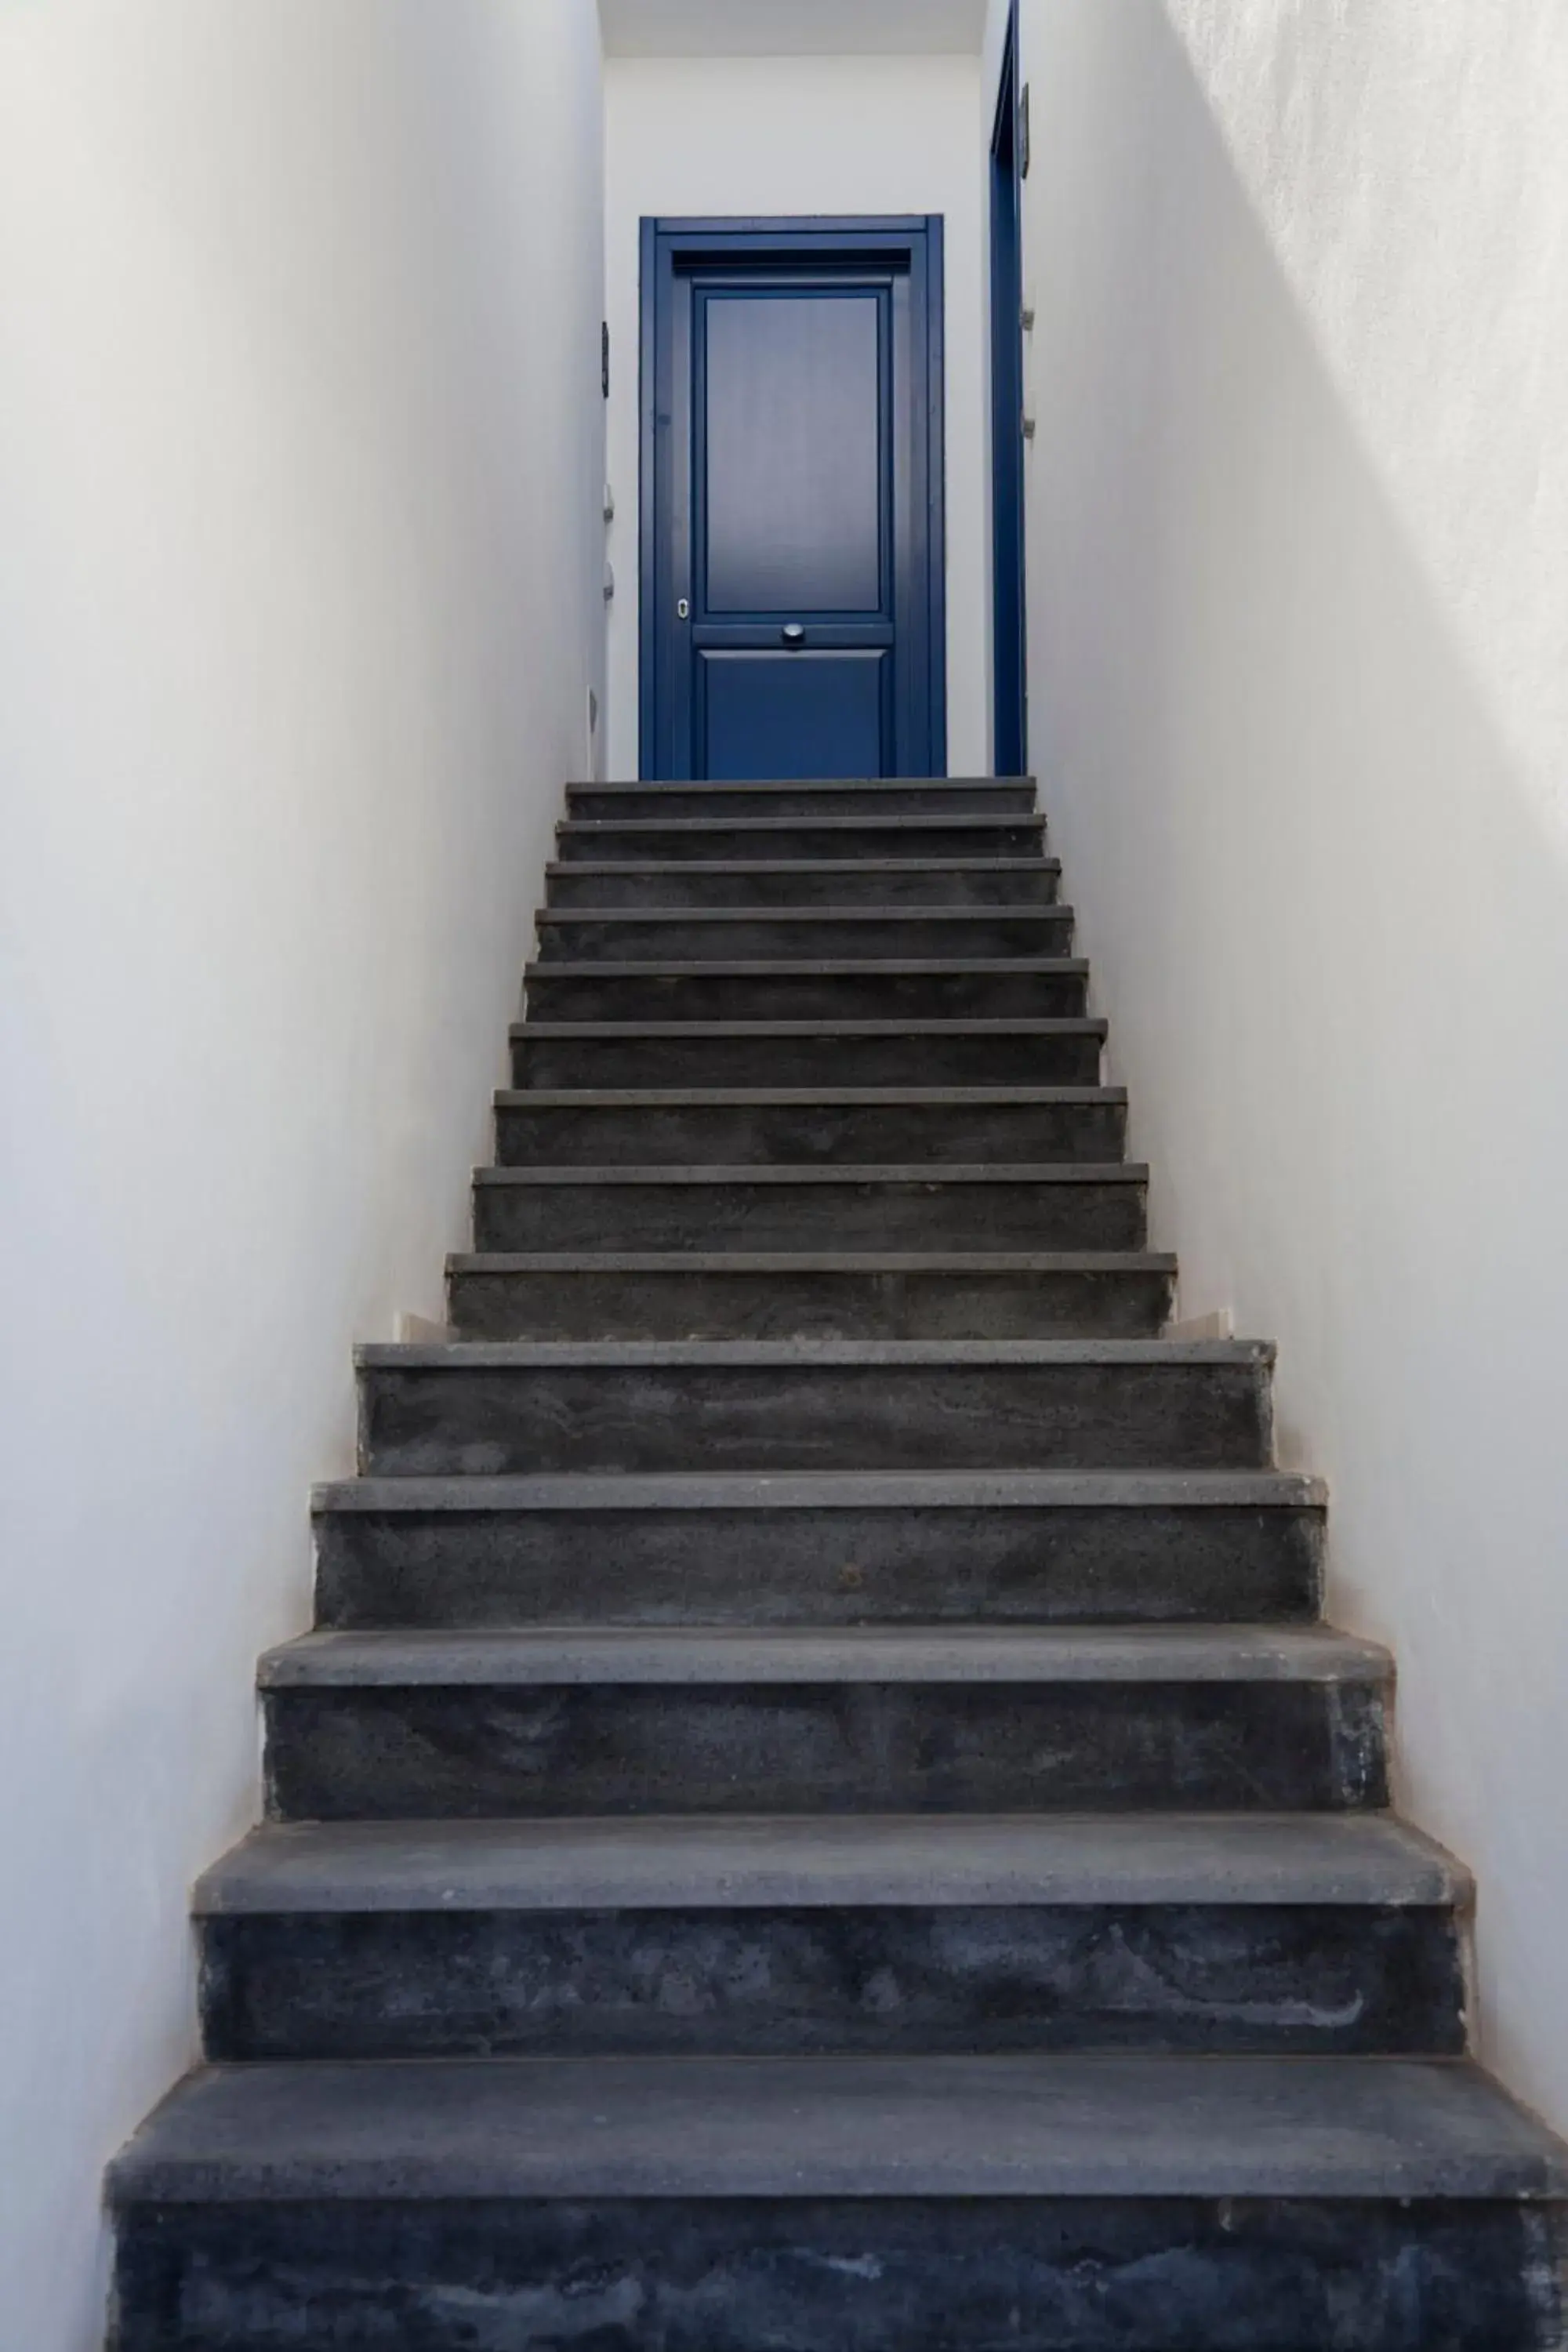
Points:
(775, 28)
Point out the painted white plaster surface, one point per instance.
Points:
(299, 601)
(706, 28)
(783, 135)
(1299, 599)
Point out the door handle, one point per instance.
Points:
(794, 635)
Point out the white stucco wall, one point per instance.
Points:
(842, 134)
(1298, 541)
(300, 603)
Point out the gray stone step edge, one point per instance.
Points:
(830, 1490)
(761, 786)
(853, 967)
(1055, 915)
(811, 1261)
(522, 1355)
(1069, 2126)
(512, 1099)
(865, 820)
(575, 870)
(758, 1032)
(576, 1657)
(930, 1175)
(935, 1861)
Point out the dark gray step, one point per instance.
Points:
(786, 1937)
(1044, 987)
(1067, 1206)
(685, 1295)
(834, 1549)
(882, 796)
(960, 1719)
(810, 1405)
(1070, 2203)
(995, 1126)
(905, 2274)
(787, 840)
(820, 881)
(828, 934)
(805, 1053)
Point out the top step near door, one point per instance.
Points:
(792, 544)
(887, 797)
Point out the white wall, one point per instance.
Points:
(887, 134)
(299, 554)
(1299, 539)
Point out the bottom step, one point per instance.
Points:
(1054, 2205)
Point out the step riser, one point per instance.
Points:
(873, 994)
(842, 1567)
(491, 1750)
(804, 1982)
(783, 843)
(736, 1135)
(765, 882)
(804, 1416)
(1077, 1215)
(1079, 2274)
(609, 803)
(764, 1306)
(626, 939)
(812, 1060)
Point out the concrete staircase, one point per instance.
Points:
(820, 1815)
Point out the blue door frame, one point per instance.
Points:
(1010, 673)
(899, 261)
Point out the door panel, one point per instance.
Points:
(792, 511)
(797, 455)
(794, 714)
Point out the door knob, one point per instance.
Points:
(794, 635)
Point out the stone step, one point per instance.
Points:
(1065, 2203)
(881, 797)
(1044, 987)
(784, 1936)
(836, 881)
(805, 1053)
(1101, 1404)
(999, 1126)
(839, 1548)
(1063, 1206)
(789, 839)
(559, 1721)
(686, 1295)
(829, 933)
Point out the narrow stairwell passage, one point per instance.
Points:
(820, 1811)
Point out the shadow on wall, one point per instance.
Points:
(1328, 903)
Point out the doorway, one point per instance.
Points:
(792, 529)
(1010, 674)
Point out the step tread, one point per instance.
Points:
(501, 1355)
(853, 967)
(811, 1261)
(860, 821)
(755, 1032)
(573, 869)
(1057, 2126)
(650, 789)
(1055, 915)
(724, 1657)
(774, 1860)
(927, 1174)
(513, 1099)
(832, 1490)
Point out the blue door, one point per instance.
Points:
(791, 511)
